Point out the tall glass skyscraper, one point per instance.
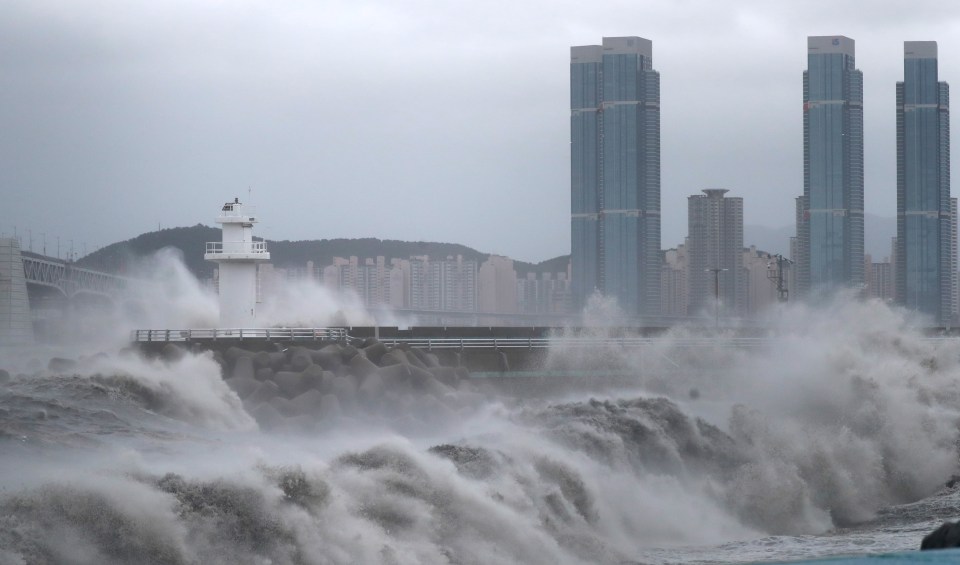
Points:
(830, 223)
(586, 72)
(615, 173)
(925, 251)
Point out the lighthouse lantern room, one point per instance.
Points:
(237, 257)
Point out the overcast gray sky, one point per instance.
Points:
(407, 119)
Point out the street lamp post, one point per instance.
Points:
(716, 293)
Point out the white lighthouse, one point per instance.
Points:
(237, 257)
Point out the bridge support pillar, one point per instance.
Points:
(16, 326)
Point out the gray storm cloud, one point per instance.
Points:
(411, 120)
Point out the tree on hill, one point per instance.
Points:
(556, 265)
(321, 252)
(120, 257)
(123, 256)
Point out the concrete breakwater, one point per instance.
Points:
(482, 349)
(373, 371)
(302, 388)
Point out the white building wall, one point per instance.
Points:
(761, 291)
(673, 283)
(497, 285)
(237, 256)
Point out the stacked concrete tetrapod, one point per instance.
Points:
(16, 327)
(237, 257)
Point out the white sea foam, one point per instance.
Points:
(842, 409)
(841, 412)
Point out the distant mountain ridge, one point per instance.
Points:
(191, 242)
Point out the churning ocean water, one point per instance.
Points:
(838, 437)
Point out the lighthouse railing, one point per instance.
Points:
(217, 247)
(235, 210)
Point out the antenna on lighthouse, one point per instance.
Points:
(237, 256)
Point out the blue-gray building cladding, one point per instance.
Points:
(925, 262)
(585, 96)
(832, 234)
(615, 174)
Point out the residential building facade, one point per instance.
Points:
(715, 247)
(548, 294)
(446, 285)
(673, 283)
(497, 284)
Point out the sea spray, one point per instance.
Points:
(833, 408)
(821, 424)
(387, 503)
(189, 389)
(122, 394)
(163, 294)
(308, 304)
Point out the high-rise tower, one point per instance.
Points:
(925, 250)
(715, 245)
(830, 226)
(615, 173)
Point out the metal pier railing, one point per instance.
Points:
(565, 342)
(269, 334)
(442, 343)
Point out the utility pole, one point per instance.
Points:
(716, 293)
